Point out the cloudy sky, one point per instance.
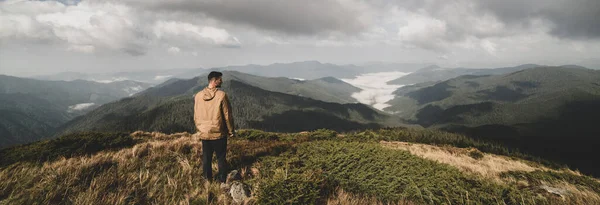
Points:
(43, 37)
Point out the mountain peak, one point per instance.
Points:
(308, 62)
(573, 66)
(330, 79)
(528, 65)
(429, 68)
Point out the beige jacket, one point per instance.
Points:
(212, 114)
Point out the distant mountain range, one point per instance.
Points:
(307, 70)
(328, 89)
(146, 76)
(436, 73)
(36, 109)
(169, 107)
(550, 86)
(315, 70)
(32, 109)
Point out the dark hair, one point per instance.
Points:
(214, 74)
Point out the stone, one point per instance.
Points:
(239, 192)
(560, 192)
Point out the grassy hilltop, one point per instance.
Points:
(386, 166)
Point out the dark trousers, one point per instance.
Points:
(220, 148)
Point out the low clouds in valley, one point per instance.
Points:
(375, 90)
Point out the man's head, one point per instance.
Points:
(215, 79)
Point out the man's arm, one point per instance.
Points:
(196, 113)
(228, 113)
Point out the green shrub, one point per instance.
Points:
(322, 134)
(255, 135)
(392, 175)
(365, 136)
(290, 188)
(475, 154)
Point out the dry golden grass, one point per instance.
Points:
(490, 166)
(166, 169)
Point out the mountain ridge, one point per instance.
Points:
(33, 109)
(253, 108)
(441, 74)
(556, 105)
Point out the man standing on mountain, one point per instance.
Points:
(213, 118)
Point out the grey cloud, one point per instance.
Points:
(296, 17)
(439, 24)
(91, 26)
(570, 19)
